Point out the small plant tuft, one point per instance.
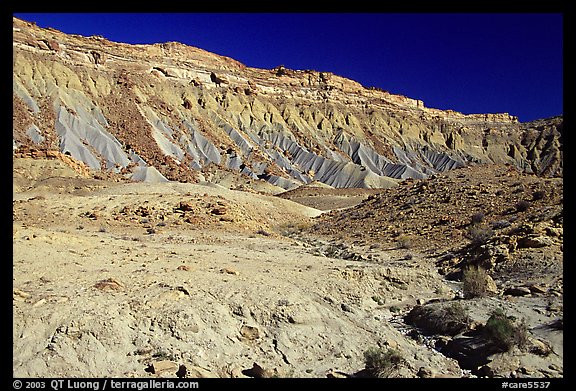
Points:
(477, 218)
(538, 195)
(504, 332)
(292, 229)
(500, 224)
(475, 282)
(382, 363)
(455, 317)
(405, 241)
(522, 206)
(263, 232)
(395, 309)
(479, 234)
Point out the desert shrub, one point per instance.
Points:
(479, 234)
(454, 317)
(520, 188)
(263, 232)
(405, 241)
(504, 332)
(522, 206)
(292, 228)
(477, 218)
(395, 309)
(382, 363)
(538, 195)
(475, 281)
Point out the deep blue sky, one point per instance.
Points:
(472, 63)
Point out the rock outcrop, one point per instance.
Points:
(174, 112)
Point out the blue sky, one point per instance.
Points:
(472, 63)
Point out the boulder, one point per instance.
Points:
(194, 372)
(258, 372)
(538, 289)
(471, 351)
(109, 284)
(535, 241)
(185, 206)
(249, 332)
(439, 318)
(517, 291)
(164, 367)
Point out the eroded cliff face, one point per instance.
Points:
(174, 112)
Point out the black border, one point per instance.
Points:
(348, 7)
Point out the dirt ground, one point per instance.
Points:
(196, 280)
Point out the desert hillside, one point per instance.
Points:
(178, 214)
(174, 112)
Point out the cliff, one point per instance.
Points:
(174, 112)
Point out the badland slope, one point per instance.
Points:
(174, 112)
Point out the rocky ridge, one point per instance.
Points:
(174, 112)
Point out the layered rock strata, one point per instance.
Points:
(174, 112)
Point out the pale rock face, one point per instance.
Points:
(180, 109)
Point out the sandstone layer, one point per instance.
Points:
(174, 112)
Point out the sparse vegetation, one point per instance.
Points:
(504, 332)
(394, 309)
(405, 241)
(479, 234)
(289, 229)
(538, 195)
(454, 318)
(522, 206)
(193, 279)
(477, 218)
(263, 232)
(475, 280)
(500, 224)
(382, 363)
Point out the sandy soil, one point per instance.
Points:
(137, 280)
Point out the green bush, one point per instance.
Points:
(382, 363)
(503, 331)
